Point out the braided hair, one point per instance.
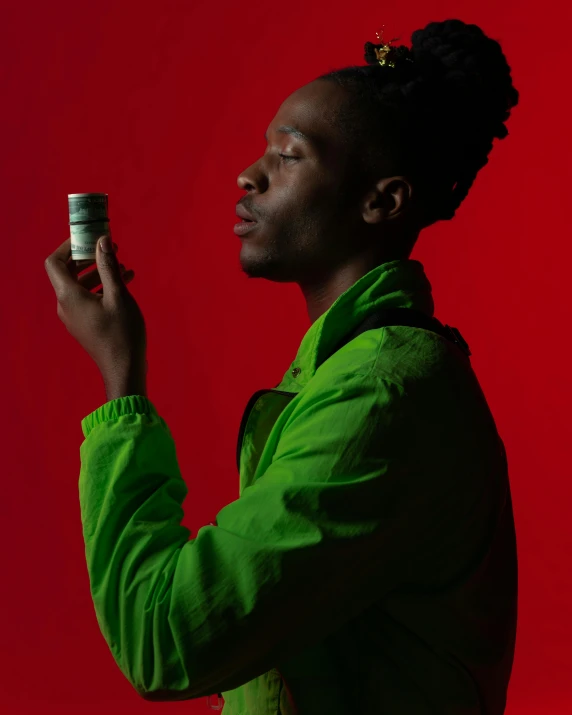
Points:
(432, 119)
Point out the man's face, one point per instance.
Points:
(306, 208)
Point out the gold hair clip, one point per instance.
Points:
(382, 55)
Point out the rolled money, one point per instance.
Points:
(88, 221)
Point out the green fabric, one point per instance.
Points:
(369, 563)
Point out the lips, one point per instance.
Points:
(242, 213)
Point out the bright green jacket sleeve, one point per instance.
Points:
(331, 526)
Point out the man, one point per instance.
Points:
(369, 564)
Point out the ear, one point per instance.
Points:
(389, 200)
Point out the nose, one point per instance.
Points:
(244, 182)
(252, 177)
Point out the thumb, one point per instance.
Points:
(108, 266)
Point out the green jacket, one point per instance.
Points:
(369, 563)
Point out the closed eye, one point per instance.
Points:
(286, 157)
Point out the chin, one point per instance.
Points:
(268, 266)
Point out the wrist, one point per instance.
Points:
(125, 385)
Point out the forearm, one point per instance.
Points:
(131, 383)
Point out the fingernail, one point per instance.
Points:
(105, 243)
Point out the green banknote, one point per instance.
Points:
(88, 214)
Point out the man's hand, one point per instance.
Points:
(108, 325)
(90, 278)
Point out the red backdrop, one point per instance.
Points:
(162, 105)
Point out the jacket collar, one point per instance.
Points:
(396, 284)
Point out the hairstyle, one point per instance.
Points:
(432, 119)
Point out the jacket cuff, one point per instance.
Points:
(114, 409)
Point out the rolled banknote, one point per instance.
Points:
(88, 221)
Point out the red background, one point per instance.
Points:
(162, 105)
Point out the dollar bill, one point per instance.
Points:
(88, 220)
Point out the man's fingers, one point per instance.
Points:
(83, 264)
(128, 276)
(91, 279)
(62, 270)
(57, 269)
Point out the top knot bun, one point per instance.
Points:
(467, 65)
(433, 118)
(459, 64)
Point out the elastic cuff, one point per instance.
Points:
(113, 410)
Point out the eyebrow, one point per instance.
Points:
(287, 129)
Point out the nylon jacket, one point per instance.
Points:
(369, 564)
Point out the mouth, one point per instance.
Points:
(244, 226)
(243, 214)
